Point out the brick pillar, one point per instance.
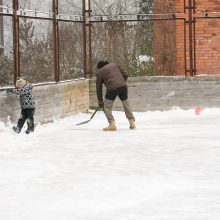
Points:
(164, 37)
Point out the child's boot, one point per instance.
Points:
(30, 124)
(28, 131)
(16, 129)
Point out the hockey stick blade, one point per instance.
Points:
(84, 122)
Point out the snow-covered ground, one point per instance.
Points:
(166, 169)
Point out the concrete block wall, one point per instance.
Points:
(53, 101)
(164, 93)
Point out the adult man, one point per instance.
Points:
(114, 78)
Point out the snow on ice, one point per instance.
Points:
(166, 169)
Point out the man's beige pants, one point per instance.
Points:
(108, 105)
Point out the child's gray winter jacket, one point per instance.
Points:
(26, 97)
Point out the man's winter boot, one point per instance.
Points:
(111, 127)
(132, 124)
(16, 129)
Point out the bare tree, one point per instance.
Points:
(121, 41)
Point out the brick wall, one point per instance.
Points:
(53, 101)
(210, 5)
(207, 37)
(208, 46)
(163, 93)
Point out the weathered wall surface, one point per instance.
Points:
(53, 101)
(145, 94)
(163, 93)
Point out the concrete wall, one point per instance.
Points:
(163, 93)
(53, 101)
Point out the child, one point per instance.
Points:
(27, 105)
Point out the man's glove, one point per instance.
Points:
(101, 104)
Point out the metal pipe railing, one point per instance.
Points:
(190, 7)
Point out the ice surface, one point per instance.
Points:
(166, 169)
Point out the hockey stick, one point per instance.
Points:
(84, 122)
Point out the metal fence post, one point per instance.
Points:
(90, 40)
(84, 37)
(87, 41)
(16, 41)
(1, 32)
(190, 7)
(55, 40)
(58, 43)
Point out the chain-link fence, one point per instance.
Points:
(41, 41)
(57, 40)
(140, 35)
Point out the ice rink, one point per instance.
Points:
(166, 169)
